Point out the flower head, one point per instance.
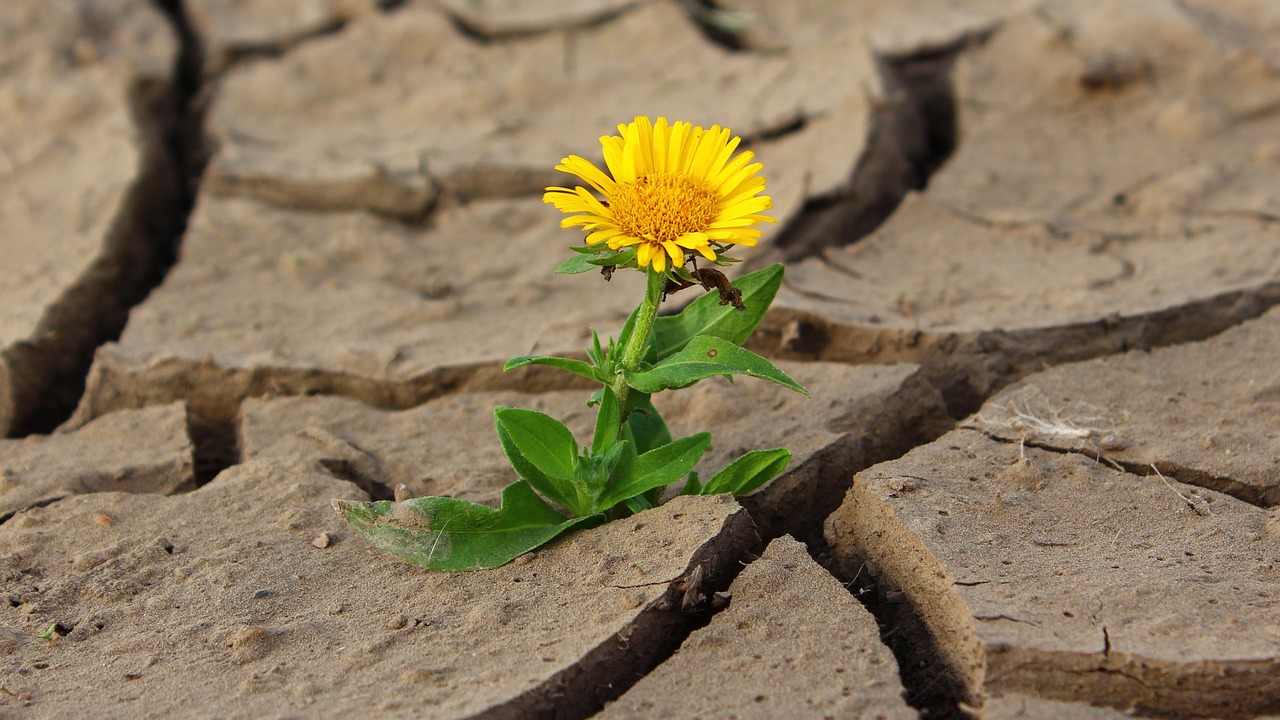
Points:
(671, 190)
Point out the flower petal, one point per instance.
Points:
(644, 134)
(587, 170)
(643, 254)
(611, 146)
(712, 141)
(693, 241)
(736, 164)
(723, 157)
(675, 148)
(677, 255)
(620, 241)
(661, 132)
(600, 236)
(659, 259)
(585, 220)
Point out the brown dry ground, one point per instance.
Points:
(260, 254)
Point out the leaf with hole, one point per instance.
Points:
(705, 357)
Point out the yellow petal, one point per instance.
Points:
(676, 146)
(706, 251)
(643, 254)
(611, 146)
(585, 220)
(659, 258)
(677, 255)
(644, 133)
(600, 236)
(729, 235)
(749, 188)
(730, 185)
(734, 166)
(693, 241)
(566, 202)
(746, 207)
(712, 141)
(595, 205)
(661, 131)
(690, 148)
(587, 170)
(723, 157)
(620, 241)
(630, 153)
(734, 223)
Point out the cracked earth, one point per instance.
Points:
(262, 254)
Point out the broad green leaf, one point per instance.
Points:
(655, 469)
(638, 504)
(648, 430)
(575, 264)
(692, 486)
(748, 473)
(440, 533)
(705, 357)
(608, 423)
(542, 451)
(577, 367)
(706, 316)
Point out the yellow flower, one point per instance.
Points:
(670, 188)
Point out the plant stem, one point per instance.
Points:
(636, 345)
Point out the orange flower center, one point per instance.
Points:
(662, 208)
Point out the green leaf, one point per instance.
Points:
(621, 258)
(542, 451)
(608, 423)
(748, 473)
(692, 486)
(596, 353)
(577, 367)
(575, 264)
(648, 430)
(706, 316)
(638, 504)
(624, 337)
(440, 533)
(655, 469)
(705, 357)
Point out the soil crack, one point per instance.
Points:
(48, 374)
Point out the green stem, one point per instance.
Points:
(636, 345)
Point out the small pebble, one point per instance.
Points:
(262, 594)
(397, 622)
(102, 519)
(322, 540)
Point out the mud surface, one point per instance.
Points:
(260, 255)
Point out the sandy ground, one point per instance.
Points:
(263, 254)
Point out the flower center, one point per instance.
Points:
(662, 208)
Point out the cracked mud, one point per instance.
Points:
(265, 254)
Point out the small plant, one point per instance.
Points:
(675, 202)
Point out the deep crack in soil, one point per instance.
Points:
(47, 375)
(913, 131)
